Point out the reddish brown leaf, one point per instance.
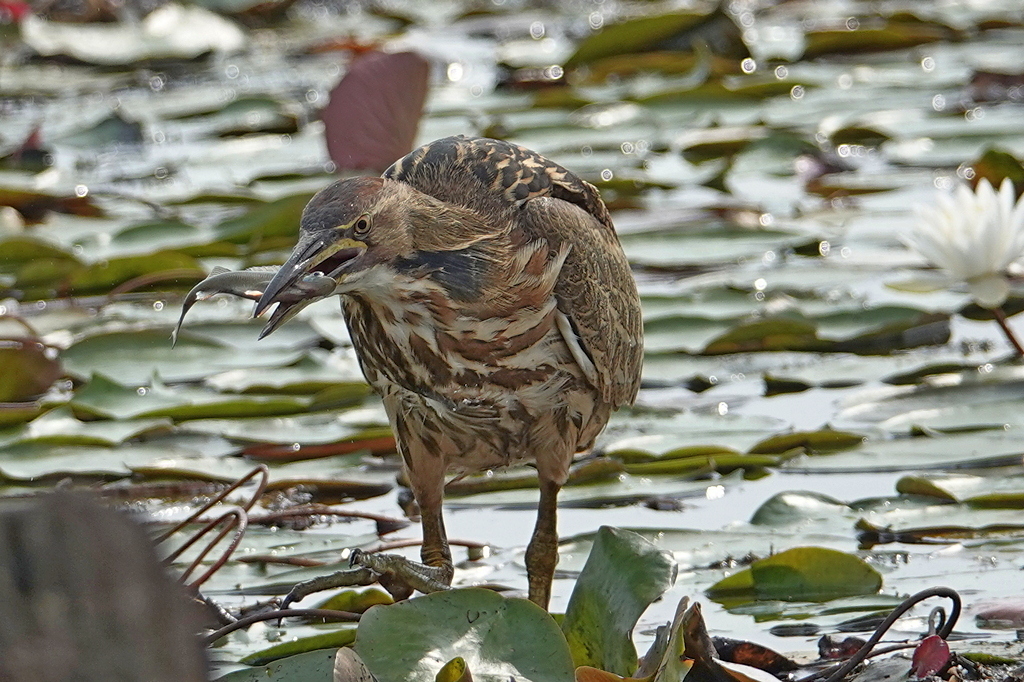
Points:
(930, 656)
(374, 111)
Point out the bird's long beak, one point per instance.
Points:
(312, 254)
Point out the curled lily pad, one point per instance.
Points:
(623, 575)
(312, 666)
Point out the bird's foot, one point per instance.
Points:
(398, 575)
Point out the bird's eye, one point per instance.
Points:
(361, 226)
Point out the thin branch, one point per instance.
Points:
(1000, 316)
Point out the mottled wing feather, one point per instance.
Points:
(596, 291)
(493, 177)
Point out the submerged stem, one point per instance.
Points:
(1001, 319)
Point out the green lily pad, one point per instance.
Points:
(59, 426)
(623, 575)
(106, 398)
(499, 638)
(27, 369)
(135, 356)
(312, 666)
(341, 636)
(314, 372)
(632, 35)
(800, 574)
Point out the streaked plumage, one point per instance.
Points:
(491, 306)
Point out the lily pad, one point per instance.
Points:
(135, 356)
(499, 638)
(27, 369)
(104, 397)
(623, 575)
(800, 574)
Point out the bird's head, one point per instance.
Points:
(353, 225)
(345, 229)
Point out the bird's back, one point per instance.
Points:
(493, 177)
(595, 289)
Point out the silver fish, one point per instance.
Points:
(250, 284)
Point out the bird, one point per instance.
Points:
(491, 305)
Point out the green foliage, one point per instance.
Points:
(800, 574)
(497, 637)
(623, 575)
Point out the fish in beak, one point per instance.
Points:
(314, 258)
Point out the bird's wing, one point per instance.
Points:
(493, 177)
(596, 292)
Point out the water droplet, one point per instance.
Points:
(607, 174)
(797, 92)
(748, 65)
(81, 190)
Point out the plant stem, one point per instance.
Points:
(1001, 319)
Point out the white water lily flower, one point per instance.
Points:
(974, 237)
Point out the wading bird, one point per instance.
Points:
(491, 306)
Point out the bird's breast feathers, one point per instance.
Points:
(415, 325)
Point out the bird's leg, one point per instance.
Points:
(542, 552)
(396, 574)
(436, 571)
(426, 477)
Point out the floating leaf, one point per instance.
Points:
(800, 574)
(341, 636)
(171, 30)
(823, 441)
(632, 35)
(134, 357)
(313, 666)
(623, 575)
(498, 637)
(995, 164)
(374, 111)
(27, 369)
(891, 35)
(930, 656)
(104, 397)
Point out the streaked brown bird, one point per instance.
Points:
(492, 308)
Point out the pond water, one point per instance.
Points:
(762, 163)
